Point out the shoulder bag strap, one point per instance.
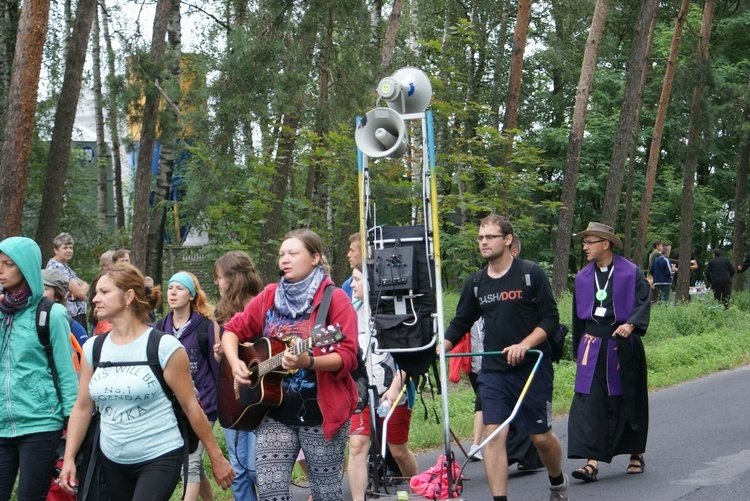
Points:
(322, 318)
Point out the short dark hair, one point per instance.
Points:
(502, 222)
(656, 243)
(716, 252)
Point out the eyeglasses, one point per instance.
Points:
(592, 242)
(489, 238)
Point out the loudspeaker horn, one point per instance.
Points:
(408, 90)
(382, 133)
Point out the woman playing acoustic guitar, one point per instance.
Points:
(318, 396)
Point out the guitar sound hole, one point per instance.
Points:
(254, 376)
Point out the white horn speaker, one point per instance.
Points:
(408, 90)
(382, 133)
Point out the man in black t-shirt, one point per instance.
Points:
(515, 299)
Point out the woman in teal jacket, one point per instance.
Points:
(31, 413)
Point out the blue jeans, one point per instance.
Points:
(242, 458)
(663, 291)
(34, 455)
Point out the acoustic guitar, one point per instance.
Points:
(243, 406)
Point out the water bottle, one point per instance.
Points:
(383, 408)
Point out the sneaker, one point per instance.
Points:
(477, 456)
(559, 492)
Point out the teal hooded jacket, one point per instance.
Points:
(28, 399)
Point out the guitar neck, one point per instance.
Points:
(274, 362)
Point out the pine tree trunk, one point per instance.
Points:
(171, 86)
(741, 205)
(112, 119)
(688, 180)
(631, 102)
(523, 16)
(575, 144)
(274, 227)
(389, 41)
(8, 31)
(65, 115)
(628, 222)
(148, 137)
(656, 137)
(497, 80)
(102, 157)
(19, 116)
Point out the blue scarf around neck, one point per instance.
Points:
(293, 299)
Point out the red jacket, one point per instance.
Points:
(338, 393)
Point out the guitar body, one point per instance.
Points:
(243, 407)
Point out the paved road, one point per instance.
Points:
(698, 449)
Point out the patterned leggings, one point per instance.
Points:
(276, 451)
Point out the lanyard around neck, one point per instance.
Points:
(601, 292)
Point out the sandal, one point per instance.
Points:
(589, 473)
(637, 464)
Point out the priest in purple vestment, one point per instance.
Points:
(611, 308)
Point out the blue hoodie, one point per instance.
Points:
(28, 399)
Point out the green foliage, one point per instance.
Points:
(719, 340)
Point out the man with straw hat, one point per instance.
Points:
(611, 308)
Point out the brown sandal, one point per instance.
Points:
(637, 465)
(589, 473)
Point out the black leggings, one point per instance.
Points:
(153, 480)
(34, 455)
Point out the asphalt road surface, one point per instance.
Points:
(698, 449)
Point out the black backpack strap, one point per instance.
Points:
(152, 354)
(527, 269)
(43, 311)
(96, 354)
(202, 332)
(477, 277)
(159, 324)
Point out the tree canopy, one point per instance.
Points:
(265, 117)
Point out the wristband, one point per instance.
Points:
(312, 359)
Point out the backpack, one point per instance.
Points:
(359, 375)
(557, 338)
(433, 482)
(43, 310)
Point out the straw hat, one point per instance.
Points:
(602, 231)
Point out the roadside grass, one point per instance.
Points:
(683, 342)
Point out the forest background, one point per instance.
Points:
(554, 113)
